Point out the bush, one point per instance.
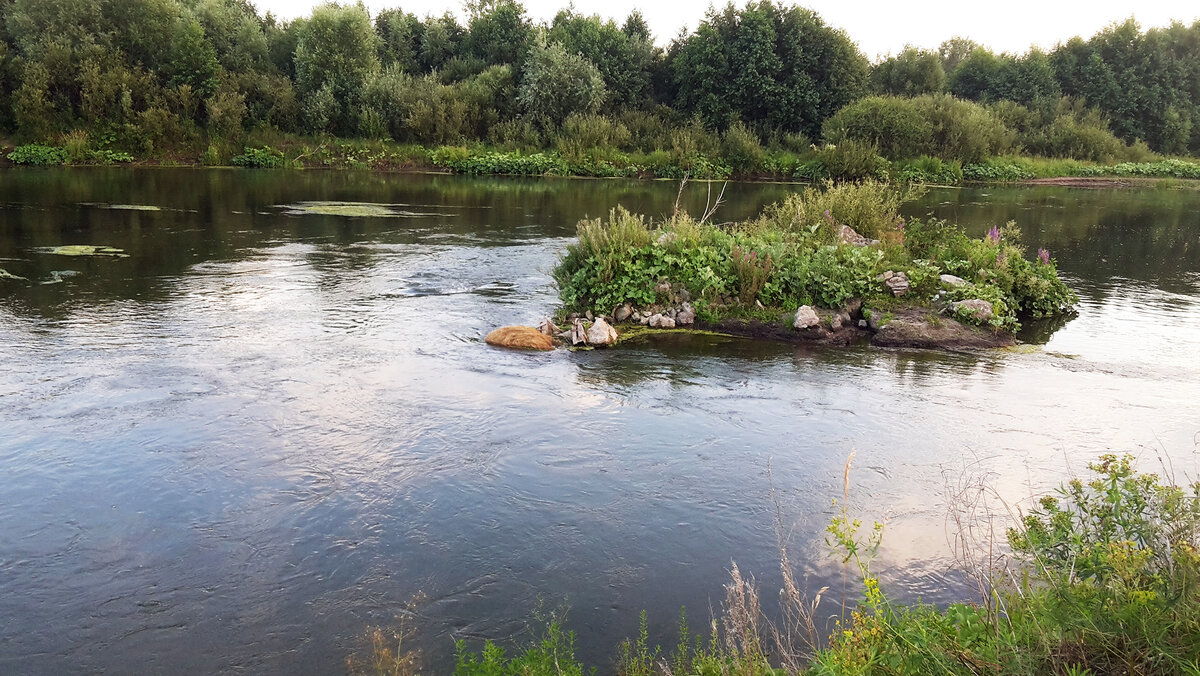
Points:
(259, 158)
(35, 154)
(590, 136)
(962, 130)
(851, 161)
(741, 148)
(927, 169)
(893, 126)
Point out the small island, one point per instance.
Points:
(830, 265)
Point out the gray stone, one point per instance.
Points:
(661, 322)
(862, 324)
(601, 334)
(547, 327)
(686, 316)
(578, 332)
(951, 280)
(896, 282)
(663, 287)
(806, 318)
(589, 315)
(622, 312)
(981, 309)
(683, 295)
(847, 235)
(835, 322)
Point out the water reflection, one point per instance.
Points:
(263, 431)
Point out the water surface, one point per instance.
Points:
(267, 428)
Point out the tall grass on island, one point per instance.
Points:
(795, 254)
(1101, 576)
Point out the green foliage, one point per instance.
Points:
(741, 148)
(911, 73)
(558, 83)
(335, 51)
(552, 653)
(996, 170)
(766, 64)
(850, 160)
(927, 169)
(790, 256)
(259, 158)
(936, 125)
(38, 155)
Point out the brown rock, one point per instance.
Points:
(520, 337)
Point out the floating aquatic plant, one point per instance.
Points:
(5, 274)
(353, 210)
(84, 250)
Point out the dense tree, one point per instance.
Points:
(498, 33)
(624, 59)
(911, 73)
(767, 65)
(335, 52)
(399, 39)
(984, 76)
(557, 83)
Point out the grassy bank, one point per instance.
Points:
(1101, 576)
(796, 253)
(847, 162)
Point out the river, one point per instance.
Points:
(268, 428)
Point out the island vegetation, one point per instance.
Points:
(833, 264)
(1101, 576)
(760, 90)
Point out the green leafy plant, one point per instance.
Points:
(38, 155)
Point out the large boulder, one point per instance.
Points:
(806, 318)
(622, 312)
(520, 337)
(601, 333)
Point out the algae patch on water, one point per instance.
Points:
(122, 207)
(353, 210)
(5, 274)
(84, 250)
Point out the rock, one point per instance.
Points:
(917, 327)
(667, 238)
(835, 322)
(686, 316)
(847, 235)
(578, 332)
(663, 287)
(951, 280)
(862, 324)
(520, 337)
(806, 318)
(981, 309)
(758, 304)
(548, 327)
(601, 334)
(876, 319)
(897, 282)
(683, 295)
(854, 307)
(644, 320)
(661, 322)
(623, 312)
(589, 315)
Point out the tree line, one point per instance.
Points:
(149, 76)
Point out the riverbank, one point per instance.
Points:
(834, 265)
(1080, 584)
(277, 151)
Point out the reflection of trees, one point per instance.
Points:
(1147, 235)
(223, 215)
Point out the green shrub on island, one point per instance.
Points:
(793, 255)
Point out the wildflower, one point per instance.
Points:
(899, 223)
(994, 235)
(1001, 260)
(1043, 257)
(828, 216)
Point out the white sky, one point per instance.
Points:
(879, 27)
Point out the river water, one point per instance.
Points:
(266, 429)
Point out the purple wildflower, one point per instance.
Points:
(994, 235)
(828, 216)
(899, 223)
(1044, 257)
(1001, 260)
